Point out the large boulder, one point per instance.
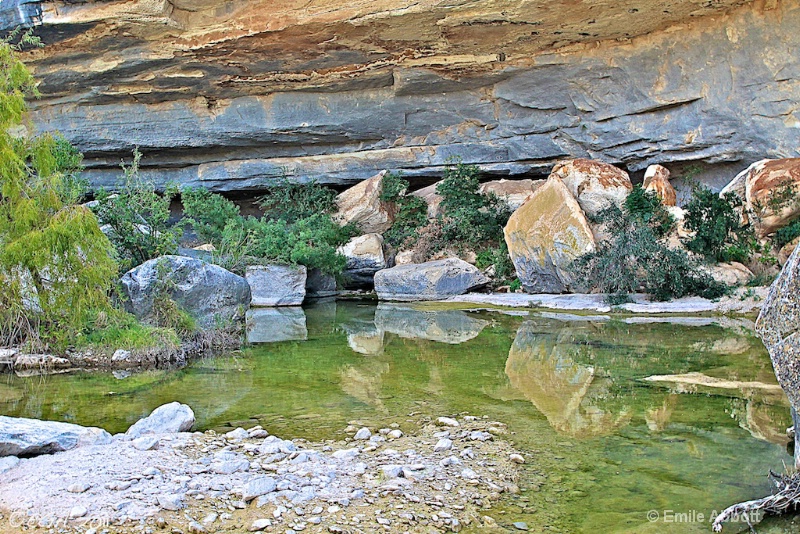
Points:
(545, 235)
(166, 419)
(778, 325)
(656, 179)
(209, 293)
(365, 257)
(731, 274)
(432, 280)
(362, 205)
(320, 284)
(277, 285)
(431, 198)
(594, 184)
(30, 437)
(772, 193)
(514, 193)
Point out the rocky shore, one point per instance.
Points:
(422, 473)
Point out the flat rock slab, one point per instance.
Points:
(431, 280)
(31, 437)
(277, 285)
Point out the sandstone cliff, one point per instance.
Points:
(230, 94)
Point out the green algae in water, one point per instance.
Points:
(603, 446)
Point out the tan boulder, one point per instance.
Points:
(786, 250)
(730, 274)
(513, 192)
(772, 193)
(431, 198)
(656, 179)
(545, 235)
(362, 206)
(594, 184)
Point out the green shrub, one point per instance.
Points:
(138, 218)
(292, 201)
(469, 218)
(645, 207)
(636, 258)
(411, 213)
(498, 257)
(56, 266)
(277, 237)
(718, 233)
(787, 234)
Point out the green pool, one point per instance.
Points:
(605, 446)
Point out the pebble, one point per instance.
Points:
(146, 443)
(479, 435)
(260, 524)
(170, 501)
(237, 435)
(77, 511)
(395, 434)
(78, 487)
(196, 528)
(448, 421)
(363, 433)
(443, 444)
(257, 487)
(210, 518)
(520, 525)
(517, 458)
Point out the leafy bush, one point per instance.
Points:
(645, 207)
(55, 264)
(291, 202)
(718, 233)
(411, 213)
(787, 234)
(636, 258)
(469, 217)
(280, 236)
(137, 218)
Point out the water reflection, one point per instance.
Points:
(444, 326)
(273, 325)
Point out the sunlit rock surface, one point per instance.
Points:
(230, 95)
(445, 326)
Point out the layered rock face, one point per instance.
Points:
(230, 95)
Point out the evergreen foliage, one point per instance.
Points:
(55, 264)
(718, 233)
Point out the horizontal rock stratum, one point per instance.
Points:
(230, 95)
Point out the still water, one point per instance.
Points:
(604, 446)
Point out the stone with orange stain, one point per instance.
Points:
(772, 193)
(545, 235)
(595, 185)
(656, 179)
(362, 205)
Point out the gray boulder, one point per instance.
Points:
(778, 325)
(30, 437)
(277, 285)
(365, 257)
(166, 419)
(428, 281)
(320, 285)
(209, 293)
(272, 325)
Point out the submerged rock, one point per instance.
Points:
(31, 437)
(594, 184)
(428, 281)
(277, 285)
(168, 418)
(272, 325)
(209, 293)
(544, 237)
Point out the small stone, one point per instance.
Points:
(77, 511)
(121, 355)
(392, 471)
(345, 454)
(145, 443)
(210, 518)
(520, 525)
(78, 487)
(448, 421)
(237, 435)
(260, 524)
(469, 474)
(196, 528)
(395, 434)
(258, 487)
(517, 458)
(443, 444)
(258, 434)
(363, 434)
(383, 521)
(479, 435)
(171, 501)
